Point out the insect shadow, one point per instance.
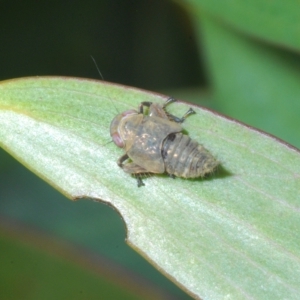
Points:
(219, 173)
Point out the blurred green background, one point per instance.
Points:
(237, 58)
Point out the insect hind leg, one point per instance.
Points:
(174, 118)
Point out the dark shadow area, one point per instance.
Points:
(148, 44)
(221, 172)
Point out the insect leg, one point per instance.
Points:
(121, 160)
(170, 116)
(181, 120)
(139, 181)
(130, 167)
(189, 112)
(169, 100)
(174, 118)
(142, 104)
(133, 169)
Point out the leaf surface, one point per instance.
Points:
(234, 235)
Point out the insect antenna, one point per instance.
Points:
(107, 143)
(95, 63)
(103, 80)
(97, 67)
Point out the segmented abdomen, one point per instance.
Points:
(184, 157)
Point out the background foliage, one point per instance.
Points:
(251, 63)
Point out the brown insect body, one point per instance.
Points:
(184, 157)
(155, 144)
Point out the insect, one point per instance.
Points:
(154, 143)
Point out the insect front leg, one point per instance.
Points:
(121, 160)
(142, 104)
(132, 168)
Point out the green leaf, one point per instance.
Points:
(234, 235)
(274, 21)
(36, 267)
(255, 83)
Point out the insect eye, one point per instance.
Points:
(117, 140)
(114, 127)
